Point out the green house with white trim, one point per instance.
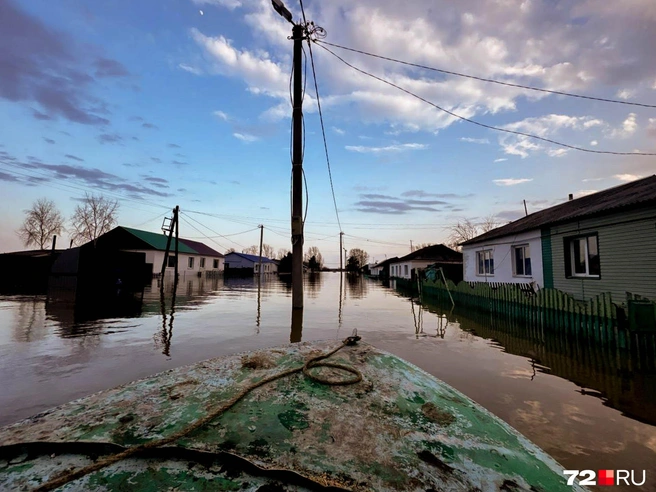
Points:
(602, 242)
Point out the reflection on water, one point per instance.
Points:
(589, 406)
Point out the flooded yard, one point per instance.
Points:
(590, 408)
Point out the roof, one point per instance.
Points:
(253, 258)
(438, 253)
(385, 262)
(637, 193)
(201, 248)
(157, 241)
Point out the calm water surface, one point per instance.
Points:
(587, 407)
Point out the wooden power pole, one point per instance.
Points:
(261, 240)
(173, 225)
(297, 171)
(341, 247)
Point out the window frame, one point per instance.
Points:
(523, 246)
(405, 270)
(490, 255)
(172, 260)
(568, 246)
(215, 264)
(201, 263)
(190, 263)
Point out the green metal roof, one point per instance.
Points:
(158, 241)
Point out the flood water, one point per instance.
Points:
(588, 407)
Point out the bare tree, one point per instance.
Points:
(92, 219)
(42, 222)
(466, 230)
(282, 252)
(357, 259)
(251, 250)
(230, 250)
(267, 251)
(314, 251)
(415, 247)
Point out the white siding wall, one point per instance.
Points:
(157, 257)
(235, 261)
(503, 259)
(401, 273)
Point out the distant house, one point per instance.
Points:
(438, 254)
(603, 242)
(193, 256)
(245, 264)
(382, 269)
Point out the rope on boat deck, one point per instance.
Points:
(305, 368)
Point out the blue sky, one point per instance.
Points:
(186, 102)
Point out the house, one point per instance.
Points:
(241, 263)
(381, 269)
(438, 254)
(603, 242)
(194, 257)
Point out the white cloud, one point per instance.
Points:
(338, 131)
(651, 128)
(547, 126)
(245, 137)
(626, 178)
(581, 193)
(475, 140)
(587, 180)
(190, 69)
(502, 159)
(628, 128)
(262, 74)
(594, 143)
(229, 4)
(389, 148)
(221, 115)
(625, 94)
(511, 181)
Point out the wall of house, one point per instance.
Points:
(410, 264)
(503, 259)
(157, 257)
(234, 261)
(627, 255)
(266, 267)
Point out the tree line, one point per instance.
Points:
(94, 216)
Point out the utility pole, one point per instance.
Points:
(345, 262)
(176, 211)
(341, 247)
(173, 224)
(525, 209)
(410, 245)
(297, 170)
(261, 226)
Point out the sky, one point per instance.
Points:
(159, 103)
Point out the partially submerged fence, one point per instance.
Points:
(598, 319)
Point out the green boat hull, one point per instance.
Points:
(398, 429)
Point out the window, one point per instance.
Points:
(191, 262)
(171, 261)
(405, 270)
(582, 256)
(522, 261)
(485, 262)
(216, 264)
(202, 263)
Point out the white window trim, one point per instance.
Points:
(190, 262)
(512, 248)
(587, 257)
(491, 250)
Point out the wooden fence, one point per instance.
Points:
(599, 319)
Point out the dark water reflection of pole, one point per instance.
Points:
(341, 287)
(297, 326)
(259, 303)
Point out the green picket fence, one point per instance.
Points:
(598, 319)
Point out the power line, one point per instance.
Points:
(212, 230)
(323, 129)
(201, 232)
(492, 81)
(489, 127)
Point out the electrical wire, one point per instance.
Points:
(212, 230)
(323, 129)
(201, 232)
(492, 81)
(489, 127)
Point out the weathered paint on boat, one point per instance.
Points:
(399, 429)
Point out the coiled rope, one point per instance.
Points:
(311, 363)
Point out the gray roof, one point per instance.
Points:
(635, 194)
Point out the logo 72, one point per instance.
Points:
(605, 477)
